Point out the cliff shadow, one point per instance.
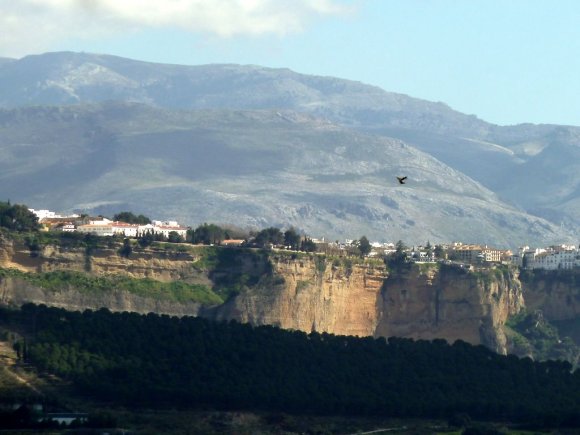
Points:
(235, 270)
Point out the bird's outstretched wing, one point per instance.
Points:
(402, 179)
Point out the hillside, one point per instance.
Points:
(251, 168)
(517, 163)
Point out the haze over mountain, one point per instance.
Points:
(260, 146)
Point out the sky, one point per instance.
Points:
(505, 61)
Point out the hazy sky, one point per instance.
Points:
(506, 61)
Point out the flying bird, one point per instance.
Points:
(401, 180)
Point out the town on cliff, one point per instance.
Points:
(127, 225)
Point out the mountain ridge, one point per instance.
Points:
(486, 153)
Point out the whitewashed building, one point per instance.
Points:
(101, 229)
(166, 227)
(551, 258)
(557, 257)
(125, 229)
(47, 214)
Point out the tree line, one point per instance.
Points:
(160, 361)
(19, 218)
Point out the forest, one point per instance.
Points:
(191, 363)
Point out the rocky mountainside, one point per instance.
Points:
(517, 163)
(252, 168)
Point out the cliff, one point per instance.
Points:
(101, 259)
(311, 294)
(307, 292)
(417, 302)
(424, 302)
(96, 261)
(555, 293)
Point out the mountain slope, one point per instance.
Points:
(512, 161)
(72, 78)
(254, 168)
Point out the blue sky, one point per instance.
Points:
(507, 62)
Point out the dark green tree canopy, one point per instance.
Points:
(166, 362)
(399, 257)
(364, 246)
(17, 217)
(268, 236)
(308, 245)
(292, 238)
(174, 237)
(439, 252)
(208, 234)
(130, 218)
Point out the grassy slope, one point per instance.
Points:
(174, 291)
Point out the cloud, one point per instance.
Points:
(37, 25)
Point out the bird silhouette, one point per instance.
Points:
(401, 180)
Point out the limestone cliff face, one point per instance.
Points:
(450, 303)
(365, 301)
(555, 293)
(157, 264)
(309, 294)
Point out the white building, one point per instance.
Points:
(557, 257)
(419, 256)
(47, 214)
(125, 229)
(105, 227)
(98, 229)
(551, 258)
(166, 229)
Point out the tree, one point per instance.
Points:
(364, 246)
(439, 252)
(399, 257)
(308, 245)
(208, 234)
(174, 237)
(269, 236)
(429, 248)
(292, 238)
(146, 239)
(17, 217)
(130, 218)
(126, 250)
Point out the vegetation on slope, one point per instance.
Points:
(162, 361)
(530, 334)
(176, 291)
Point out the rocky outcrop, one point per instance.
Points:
(451, 303)
(159, 264)
(421, 303)
(311, 294)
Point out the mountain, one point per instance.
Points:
(4, 60)
(253, 168)
(516, 163)
(73, 78)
